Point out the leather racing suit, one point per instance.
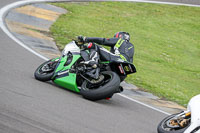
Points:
(120, 49)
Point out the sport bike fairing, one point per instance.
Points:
(194, 107)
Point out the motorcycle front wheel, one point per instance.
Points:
(109, 86)
(165, 126)
(45, 71)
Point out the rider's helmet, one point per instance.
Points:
(123, 35)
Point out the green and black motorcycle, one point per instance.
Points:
(69, 72)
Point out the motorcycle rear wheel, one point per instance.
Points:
(106, 90)
(45, 71)
(164, 128)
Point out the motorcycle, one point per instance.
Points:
(70, 72)
(184, 122)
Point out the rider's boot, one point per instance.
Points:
(93, 59)
(93, 62)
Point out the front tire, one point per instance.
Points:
(164, 128)
(101, 92)
(45, 71)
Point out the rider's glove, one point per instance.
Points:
(81, 40)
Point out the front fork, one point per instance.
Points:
(182, 119)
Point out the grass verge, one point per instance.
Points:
(166, 39)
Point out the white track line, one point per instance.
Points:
(146, 105)
(5, 10)
(3, 13)
(159, 2)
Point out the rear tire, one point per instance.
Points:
(162, 127)
(102, 92)
(45, 75)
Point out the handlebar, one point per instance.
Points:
(80, 45)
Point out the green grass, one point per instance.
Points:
(166, 39)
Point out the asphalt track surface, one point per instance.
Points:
(30, 106)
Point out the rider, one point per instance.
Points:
(121, 48)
